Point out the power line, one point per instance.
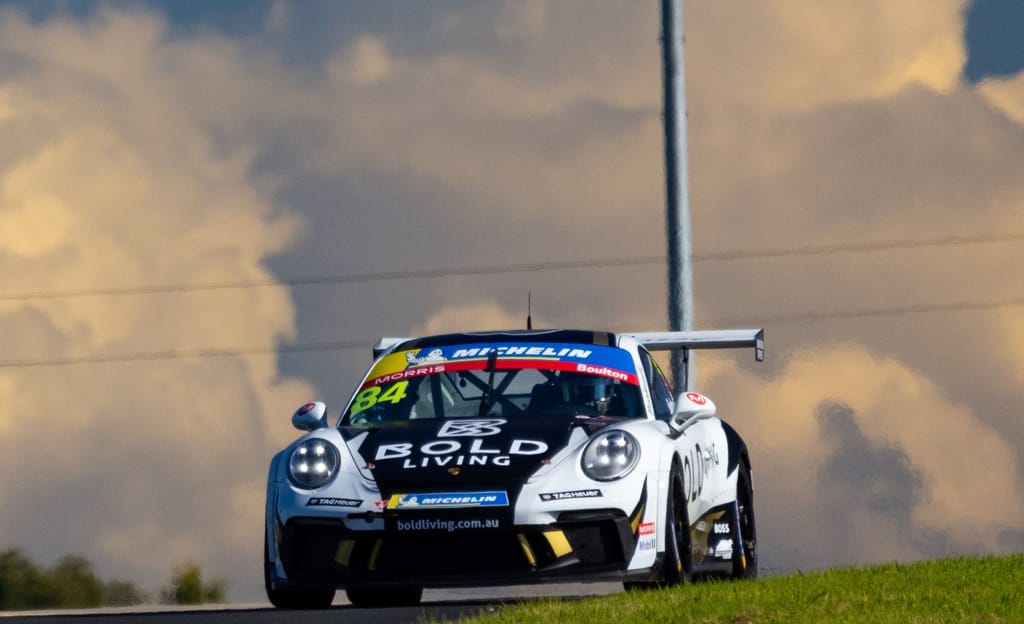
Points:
(555, 265)
(340, 345)
(327, 346)
(924, 308)
(189, 354)
(861, 247)
(353, 278)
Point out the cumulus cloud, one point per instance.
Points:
(133, 157)
(522, 20)
(858, 475)
(809, 125)
(111, 181)
(370, 62)
(794, 56)
(1005, 94)
(472, 317)
(859, 459)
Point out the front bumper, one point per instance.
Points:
(432, 551)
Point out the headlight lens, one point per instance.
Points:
(611, 455)
(313, 464)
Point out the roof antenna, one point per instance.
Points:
(529, 303)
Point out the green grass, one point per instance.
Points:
(985, 589)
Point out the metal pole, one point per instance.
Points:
(677, 209)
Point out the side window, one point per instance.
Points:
(661, 392)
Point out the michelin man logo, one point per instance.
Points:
(471, 428)
(434, 356)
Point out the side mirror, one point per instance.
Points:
(310, 417)
(691, 407)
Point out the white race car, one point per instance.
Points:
(510, 457)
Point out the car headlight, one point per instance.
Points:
(611, 455)
(313, 464)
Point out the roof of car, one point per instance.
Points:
(577, 336)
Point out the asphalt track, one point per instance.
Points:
(438, 605)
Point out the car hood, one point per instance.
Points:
(462, 454)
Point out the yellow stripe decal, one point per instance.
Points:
(634, 524)
(559, 544)
(527, 550)
(373, 555)
(344, 554)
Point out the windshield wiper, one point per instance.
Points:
(487, 401)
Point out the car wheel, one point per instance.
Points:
(744, 565)
(678, 559)
(401, 596)
(294, 598)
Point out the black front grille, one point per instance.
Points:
(312, 549)
(595, 544)
(472, 553)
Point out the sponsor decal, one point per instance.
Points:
(419, 371)
(645, 544)
(448, 500)
(305, 409)
(471, 428)
(721, 528)
(723, 550)
(555, 496)
(452, 453)
(533, 351)
(696, 466)
(710, 457)
(604, 371)
(434, 356)
(333, 502)
(646, 528)
(699, 399)
(380, 504)
(594, 359)
(437, 524)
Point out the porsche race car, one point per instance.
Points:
(510, 457)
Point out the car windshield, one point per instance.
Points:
(499, 379)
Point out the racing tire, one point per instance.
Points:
(678, 560)
(294, 598)
(401, 596)
(744, 565)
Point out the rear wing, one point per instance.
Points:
(703, 339)
(658, 341)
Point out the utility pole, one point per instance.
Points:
(677, 209)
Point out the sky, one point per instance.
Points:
(210, 211)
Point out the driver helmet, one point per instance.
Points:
(590, 390)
